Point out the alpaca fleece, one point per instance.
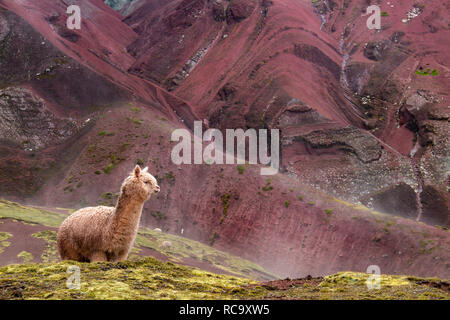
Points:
(107, 233)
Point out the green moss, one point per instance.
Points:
(16, 211)
(287, 203)
(328, 212)
(268, 186)
(170, 178)
(389, 223)
(183, 248)
(26, 256)
(108, 168)
(427, 246)
(149, 278)
(136, 121)
(225, 203)
(213, 238)
(3, 243)
(5, 236)
(384, 14)
(241, 169)
(300, 198)
(114, 160)
(427, 72)
(50, 253)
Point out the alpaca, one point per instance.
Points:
(107, 233)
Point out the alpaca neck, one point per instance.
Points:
(126, 217)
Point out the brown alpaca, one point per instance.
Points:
(107, 233)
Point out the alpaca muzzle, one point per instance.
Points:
(157, 189)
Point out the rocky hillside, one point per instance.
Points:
(361, 117)
(364, 124)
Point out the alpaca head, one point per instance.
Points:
(140, 184)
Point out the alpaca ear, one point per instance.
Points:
(137, 171)
(145, 169)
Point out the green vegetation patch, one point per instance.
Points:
(26, 256)
(3, 243)
(104, 133)
(268, 186)
(427, 72)
(50, 253)
(149, 278)
(114, 160)
(5, 236)
(183, 248)
(170, 178)
(136, 121)
(16, 211)
(226, 199)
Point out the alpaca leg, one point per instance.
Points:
(98, 256)
(120, 256)
(66, 252)
(70, 254)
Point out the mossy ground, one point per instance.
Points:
(149, 278)
(50, 253)
(183, 248)
(3, 243)
(16, 211)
